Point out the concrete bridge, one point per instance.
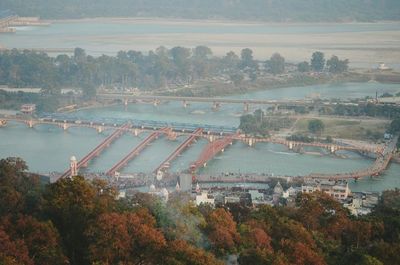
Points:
(218, 142)
(138, 126)
(216, 102)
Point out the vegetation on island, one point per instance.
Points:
(316, 126)
(368, 109)
(75, 221)
(176, 71)
(260, 124)
(272, 10)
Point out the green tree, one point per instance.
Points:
(237, 78)
(276, 64)
(316, 126)
(247, 60)
(72, 204)
(337, 66)
(318, 61)
(202, 52)
(395, 126)
(303, 67)
(180, 56)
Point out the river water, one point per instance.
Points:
(48, 148)
(364, 44)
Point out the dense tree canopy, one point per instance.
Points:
(74, 221)
(316, 126)
(318, 61)
(276, 64)
(337, 66)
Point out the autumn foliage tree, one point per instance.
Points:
(72, 204)
(75, 221)
(222, 232)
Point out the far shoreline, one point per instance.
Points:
(227, 22)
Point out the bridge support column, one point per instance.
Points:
(250, 141)
(3, 123)
(136, 132)
(126, 102)
(99, 129)
(171, 135)
(333, 149)
(156, 102)
(276, 108)
(184, 103)
(65, 126)
(291, 145)
(216, 106)
(211, 138)
(246, 107)
(30, 123)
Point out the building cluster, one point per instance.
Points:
(245, 195)
(358, 203)
(336, 189)
(28, 108)
(250, 196)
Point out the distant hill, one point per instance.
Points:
(265, 10)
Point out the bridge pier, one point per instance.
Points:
(156, 102)
(136, 132)
(333, 148)
(65, 126)
(184, 103)
(290, 145)
(126, 102)
(246, 107)
(216, 106)
(3, 123)
(250, 141)
(99, 129)
(211, 138)
(171, 135)
(30, 123)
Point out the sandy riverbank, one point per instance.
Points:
(364, 44)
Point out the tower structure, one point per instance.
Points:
(73, 166)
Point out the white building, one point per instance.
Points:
(337, 189)
(28, 108)
(204, 198)
(232, 199)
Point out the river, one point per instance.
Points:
(48, 148)
(364, 44)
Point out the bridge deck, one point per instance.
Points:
(122, 96)
(119, 165)
(180, 149)
(211, 150)
(106, 142)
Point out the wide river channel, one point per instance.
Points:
(364, 44)
(48, 148)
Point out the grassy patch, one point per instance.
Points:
(350, 129)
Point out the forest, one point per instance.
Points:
(75, 221)
(159, 69)
(270, 10)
